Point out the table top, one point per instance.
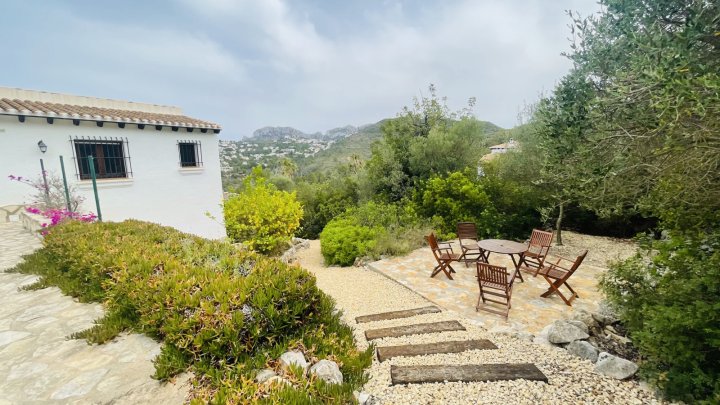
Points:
(502, 246)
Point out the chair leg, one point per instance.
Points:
(555, 289)
(443, 266)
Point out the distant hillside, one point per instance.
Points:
(340, 152)
(318, 152)
(360, 144)
(275, 133)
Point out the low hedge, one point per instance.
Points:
(221, 311)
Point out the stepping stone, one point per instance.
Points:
(388, 352)
(465, 373)
(418, 329)
(397, 314)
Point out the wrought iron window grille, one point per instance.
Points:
(190, 153)
(112, 157)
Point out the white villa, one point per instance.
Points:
(152, 162)
(503, 147)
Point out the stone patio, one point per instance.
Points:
(38, 364)
(529, 312)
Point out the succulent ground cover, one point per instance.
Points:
(221, 312)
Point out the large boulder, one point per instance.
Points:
(585, 317)
(583, 349)
(295, 358)
(580, 325)
(542, 337)
(615, 367)
(327, 371)
(565, 332)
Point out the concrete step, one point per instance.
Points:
(397, 314)
(465, 373)
(417, 329)
(388, 352)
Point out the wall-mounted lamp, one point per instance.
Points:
(42, 146)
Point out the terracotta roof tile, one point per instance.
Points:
(44, 109)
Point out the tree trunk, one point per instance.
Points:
(558, 224)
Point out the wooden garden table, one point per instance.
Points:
(506, 247)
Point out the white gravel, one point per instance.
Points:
(361, 292)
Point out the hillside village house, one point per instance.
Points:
(503, 147)
(152, 162)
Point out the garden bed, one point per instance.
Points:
(222, 313)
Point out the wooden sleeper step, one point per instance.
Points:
(388, 352)
(465, 373)
(417, 329)
(397, 314)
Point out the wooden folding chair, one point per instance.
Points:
(467, 236)
(532, 259)
(494, 281)
(443, 255)
(557, 276)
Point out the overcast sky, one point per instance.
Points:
(309, 64)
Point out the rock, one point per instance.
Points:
(264, 375)
(619, 339)
(295, 358)
(580, 324)
(585, 317)
(327, 371)
(615, 367)
(583, 349)
(605, 315)
(593, 341)
(542, 337)
(277, 381)
(565, 332)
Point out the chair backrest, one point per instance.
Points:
(493, 274)
(433, 243)
(575, 265)
(540, 242)
(466, 231)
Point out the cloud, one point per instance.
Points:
(308, 64)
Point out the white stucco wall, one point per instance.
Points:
(158, 191)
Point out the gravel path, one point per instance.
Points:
(358, 291)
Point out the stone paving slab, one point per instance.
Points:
(529, 311)
(465, 373)
(407, 313)
(417, 329)
(388, 352)
(38, 364)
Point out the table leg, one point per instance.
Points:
(517, 267)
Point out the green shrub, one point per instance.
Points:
(324, 200)
(262, 217)
(224, 312)
(372, 230)
(669, 298)
(458, 197)
(343, 240)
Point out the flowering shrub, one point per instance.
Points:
(52, 196)
(58, 215)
